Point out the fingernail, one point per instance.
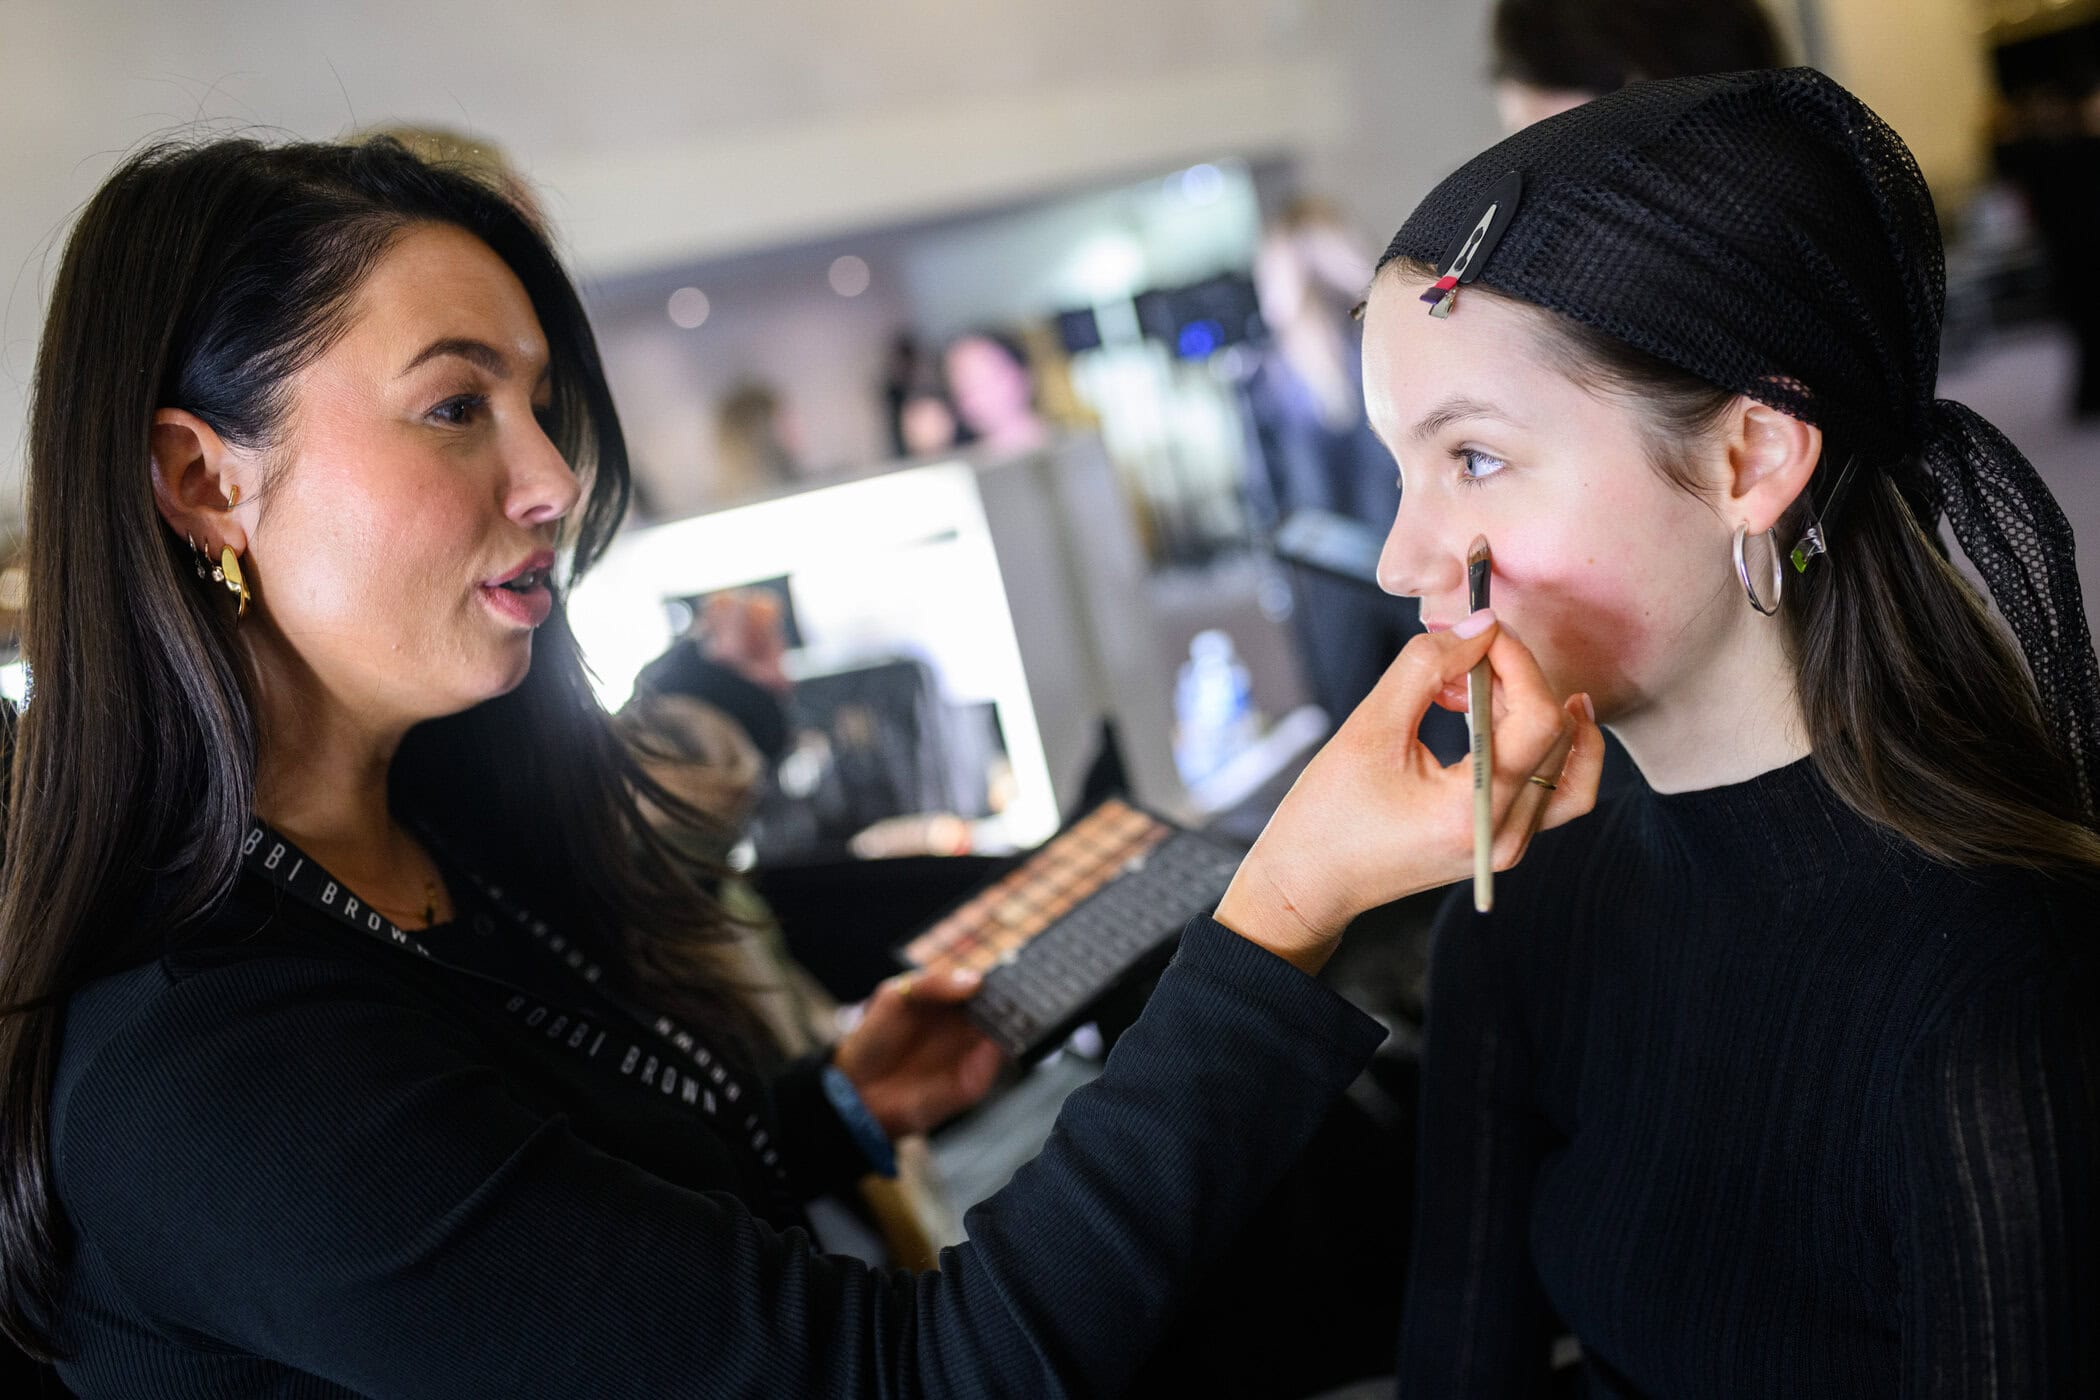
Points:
(963, 978)
(1476, 624)
(1588, 708)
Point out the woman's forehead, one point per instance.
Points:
(440, 283)
(1488, 351)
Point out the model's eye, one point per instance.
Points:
(460, 411)
(1475, 466)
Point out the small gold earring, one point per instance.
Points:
(229, 570)
(229, 573)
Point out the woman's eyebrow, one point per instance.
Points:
(478, 352)
(1453, 410)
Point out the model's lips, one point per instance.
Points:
(529, 572)
(526, 608)
(522, 596)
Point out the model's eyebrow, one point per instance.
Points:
(478, 352)
(1453, 410)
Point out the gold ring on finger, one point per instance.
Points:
(1550, 787)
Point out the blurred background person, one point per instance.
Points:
(1320, 468)
(994, 392)
(915, 398)
(1550, 55)
(1310, 274)
(708, 722)
(2050, 149)
(926, 425)
(757, 443)
(469, 153)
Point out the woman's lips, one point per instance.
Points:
(540, 561)
(527, 606)
(524, 608)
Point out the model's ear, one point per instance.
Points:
(199, 482)
(1771, 456)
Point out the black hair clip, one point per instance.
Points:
(1464, 264)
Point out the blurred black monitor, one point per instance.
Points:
(1334, 544)
(1202, 318)
(1079, 331)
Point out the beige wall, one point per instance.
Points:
(1921, 64)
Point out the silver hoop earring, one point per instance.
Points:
(1742, 570)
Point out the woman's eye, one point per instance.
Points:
(458, 412)
(1475, 467)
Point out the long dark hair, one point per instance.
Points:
(203, 277)
(1921, 715)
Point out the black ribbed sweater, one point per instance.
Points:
(295, 1164)
(1760, 1102)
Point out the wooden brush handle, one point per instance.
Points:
(1480, 692)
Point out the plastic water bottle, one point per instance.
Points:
(1213, 707)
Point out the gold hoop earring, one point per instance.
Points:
(1742, 570)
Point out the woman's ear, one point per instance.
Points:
(1771, 456)
(197, 480)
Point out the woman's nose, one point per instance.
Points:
(1411, 565)
(543, 487)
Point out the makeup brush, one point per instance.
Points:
(1480, 698)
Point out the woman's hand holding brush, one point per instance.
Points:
(1375, 817)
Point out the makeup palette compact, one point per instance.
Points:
(1100, 904)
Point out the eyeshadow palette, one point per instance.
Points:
(997, 920)
(1099, 903)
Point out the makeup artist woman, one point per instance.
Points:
(371, 1044)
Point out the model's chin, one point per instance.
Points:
(501, 670)
(516, 665)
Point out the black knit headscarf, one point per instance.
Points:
(1770, 235)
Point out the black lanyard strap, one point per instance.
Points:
(666, 1057)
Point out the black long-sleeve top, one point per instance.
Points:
(1759, 1102)
(297, 1163)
